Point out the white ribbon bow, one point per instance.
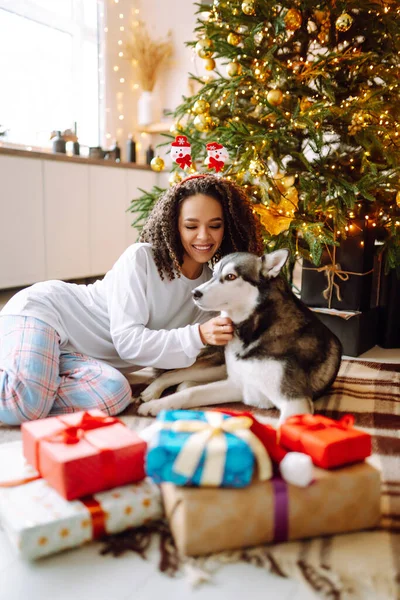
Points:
(210, 435)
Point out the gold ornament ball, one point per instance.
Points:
(190, 170)
(293, 19)
(209, 64)
(201, 106)
(398, 198)
(233, 39)
(176, 129)
(174, 178)
(248, 7)
(288, 181)
(205, 15)
(235, 12)
(157, 164)
(344, 22)
(275, 97)
(205, 53)
(256, 168)
(233, 69)
(205, 43)
(202, 123)
(204, 48)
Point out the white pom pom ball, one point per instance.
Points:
(297, 468)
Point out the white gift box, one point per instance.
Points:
(40, 522)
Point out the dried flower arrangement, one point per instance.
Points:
(147, 55)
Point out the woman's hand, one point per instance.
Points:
(217, 331)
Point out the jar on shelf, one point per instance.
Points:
(59, 143)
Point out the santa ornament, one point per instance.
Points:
(181, 151)
(217, 155)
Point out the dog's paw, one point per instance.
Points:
(152, 392)
(150, 408)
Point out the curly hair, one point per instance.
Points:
(242, 228)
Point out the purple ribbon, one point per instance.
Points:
(281, 510)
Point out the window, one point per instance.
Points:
(49, 66)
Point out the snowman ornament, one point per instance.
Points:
(217, 155)
(181, 151)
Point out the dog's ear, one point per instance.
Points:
(272, 263)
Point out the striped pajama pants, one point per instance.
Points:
(38, 380)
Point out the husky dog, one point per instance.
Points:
(280, 356)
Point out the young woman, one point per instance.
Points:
(64, 347)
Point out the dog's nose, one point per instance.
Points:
(197, 294)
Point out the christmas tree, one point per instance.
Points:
(304, 94)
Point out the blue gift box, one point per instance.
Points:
(164, 456)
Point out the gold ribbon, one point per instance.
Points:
(210, 436)
(331, 271)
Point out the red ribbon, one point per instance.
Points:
(184, 161)
(16, 482)
(316, 422)
(97, 516)
(73, 434)
(213, 163)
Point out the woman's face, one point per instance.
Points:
(201, 228)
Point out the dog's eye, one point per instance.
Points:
(230, 277)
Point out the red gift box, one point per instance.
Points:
(84, 453)
(329, 443)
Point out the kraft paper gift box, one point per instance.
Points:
(204, 520)
(206, 449)
(330, 443)
(84, 453)
(40, 522)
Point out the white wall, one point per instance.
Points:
(178, 16)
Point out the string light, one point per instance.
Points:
(117, 68)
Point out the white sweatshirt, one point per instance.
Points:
(130, 318)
